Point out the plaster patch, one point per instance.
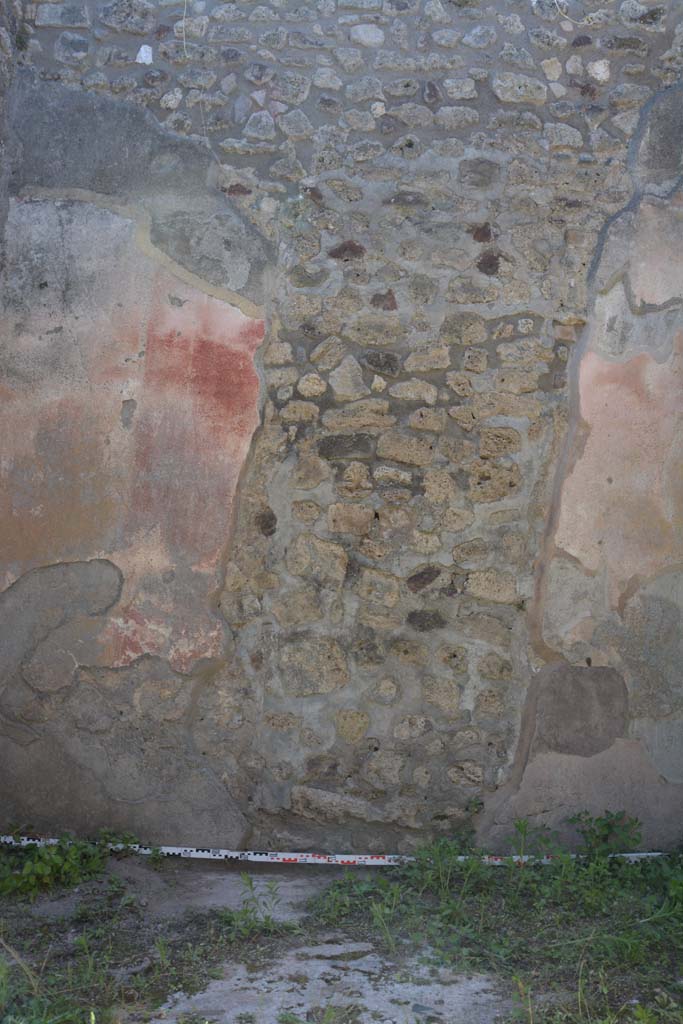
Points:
(663, 741)
(620, 505)
(92, 322)
(622, 777)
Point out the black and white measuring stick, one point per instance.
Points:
(374, 860)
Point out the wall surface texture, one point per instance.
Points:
(341, 424)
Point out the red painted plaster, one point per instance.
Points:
(153, 491)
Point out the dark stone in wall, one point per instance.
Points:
(347, 251)
(425, 620)
(479, 173)
(419, 580)
(266, 522)
(383, 362)
(346, 446)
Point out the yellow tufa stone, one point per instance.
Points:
(492, 585)
(354, 519)
(351, 725)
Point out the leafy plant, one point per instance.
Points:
(534, 841)
(612, 832)
(256, 916)
(261, 906)
(31, 869)
(123, 841)
(22, 37)
(156, 857)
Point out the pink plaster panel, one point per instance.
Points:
(620, 509)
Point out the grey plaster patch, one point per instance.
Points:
(64, 139)
(105, 770)
(579, 710)
(349, 976)
(649, 639)
(216, 245)
(659, 151)
(620, 332)
(571, 597)
(48, 597)
(54, 264)
(75, 139)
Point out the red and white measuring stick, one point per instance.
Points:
(369, 860)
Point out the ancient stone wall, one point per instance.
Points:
(341, 426)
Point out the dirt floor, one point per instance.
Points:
(306, 972)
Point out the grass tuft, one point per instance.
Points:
(586, 940)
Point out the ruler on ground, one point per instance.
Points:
(371, 860)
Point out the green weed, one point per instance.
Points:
(256, 915)
(605, 929)
(612, 832)
(28, 870)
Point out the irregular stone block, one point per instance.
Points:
(347, 381)
(379, 587)
(369, 414)
(432, 357)
(497, 441)
(411, 451)
(313, 665)
(71, 49)
(325, 805)
(445, 694)
(367, 35)
(492, 585)
(318, 559)
(415, 391)
(433, 420)
(347, 446)
(454, 118)
(513, 88)
(352, 725)
(355, 519)
(135, 16)
(62, 16)
(424, 620)
(383, 362)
